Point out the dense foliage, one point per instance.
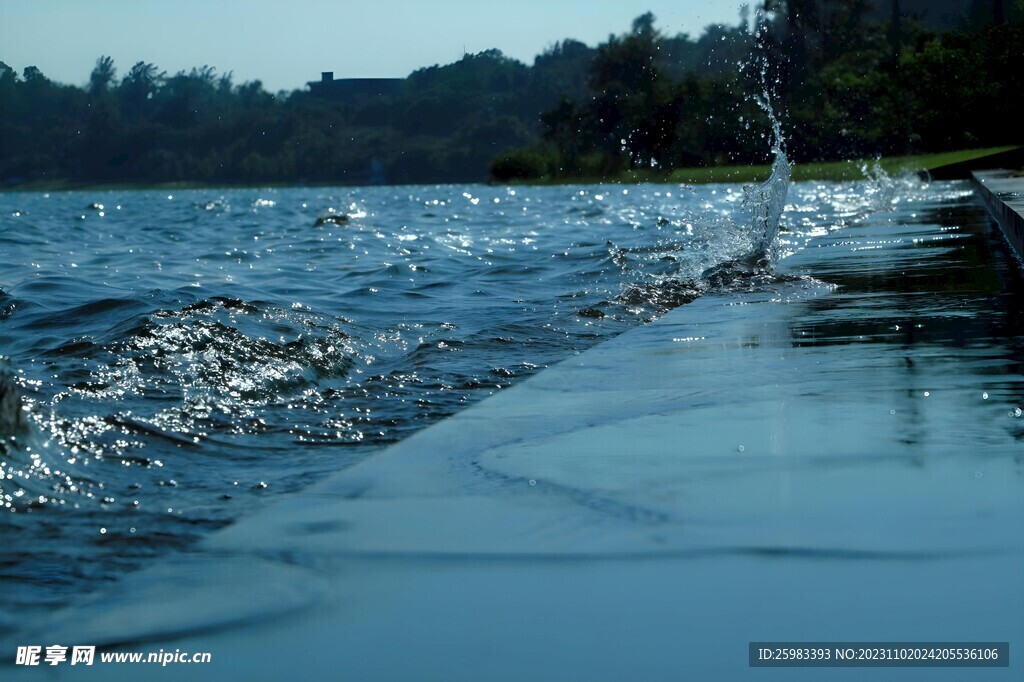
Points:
(847, 80)
(850, 82)
(446, 124)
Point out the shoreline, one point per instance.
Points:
(828, 171)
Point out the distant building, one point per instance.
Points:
(354, 89)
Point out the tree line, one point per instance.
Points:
(847, 81)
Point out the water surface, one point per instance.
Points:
(187, 356)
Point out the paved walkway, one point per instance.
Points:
(1003, 193)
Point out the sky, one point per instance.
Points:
(286, 43)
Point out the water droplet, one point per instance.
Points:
(978, 474)
(926, 394)
(1017, 412)
(741, 448)
(533, 481)
(984, 396)
(103, 531)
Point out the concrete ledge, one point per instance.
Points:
(1003, 193)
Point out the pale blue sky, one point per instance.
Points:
(285, 43)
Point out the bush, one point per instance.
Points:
(525, 164)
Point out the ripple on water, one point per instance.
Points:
(184, 358)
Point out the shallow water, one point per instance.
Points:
(188, 356)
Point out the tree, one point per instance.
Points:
(8, 87)
(139, 87)
(895, 30)
(627, 87)
(34, 77)
(102, 76)
(563, 127)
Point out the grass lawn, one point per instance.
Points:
(834, 170)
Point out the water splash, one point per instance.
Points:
(767, 199)
(754, 245)
(713, 250)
